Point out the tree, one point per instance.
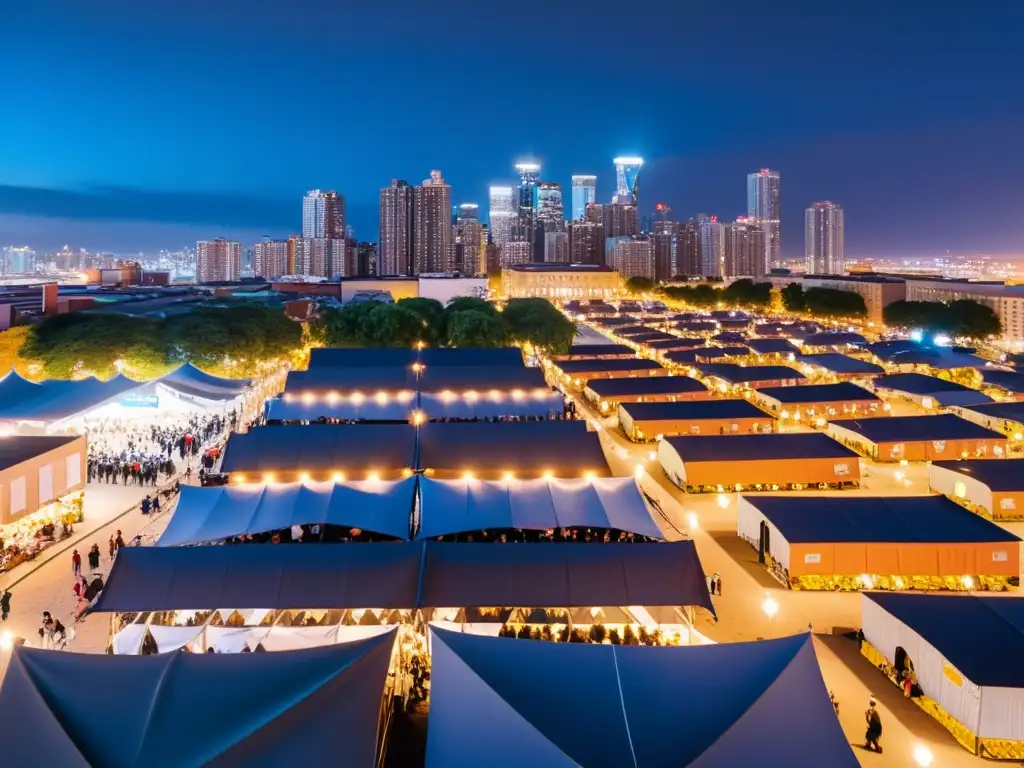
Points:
(538, 322)
(960, 318)
(389, 325)
(11, 343)
(462, 303)
(472, 328)
(747, 293)
(339, 327)
(431, 311)
(639, 285)
(793, 298)
(704, 295)
(974, 320)
(830, 302)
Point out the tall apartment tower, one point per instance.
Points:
(688, 250)
(432, 225)
(743, 248)
(334, 216)
(764, 209)
(323, 215)
(218, 260)
(663, 241)
(469, 256)
(396, 229)
(631, 256)
(584, 193)
(824, 235)
(627, 178)
(556, 247)
(270, 258)
(620, 220)
(586, 242)
(502, 213)
(711, 245)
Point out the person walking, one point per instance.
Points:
(874, 730)
(94, 558)
(119, 540)
(5, 604)
(111, 547)
(718, 584)
(146, 505)
(76, 563)
(156, 504)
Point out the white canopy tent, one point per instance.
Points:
(457, 506)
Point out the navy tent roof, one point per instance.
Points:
(839, 363)
(965, 399)
(734, 323)
(569, 367)
(697, 325)
(1008, 380)
(653, 385)
(54, 400)
(364, 378)
(500, 377)
(384, 357)
(626, 706)
(772, 346)
(629, 331)
(321, 447)
(713, 353)
(405, 575)
(809, 445)
(997, 474)
(376, 357)
(729, 337)
(592, 350)
(294, 408)
(833, 338)
(189, 380)
(1010, 411)
(674, 343)
(882, 519)
(944, 426)
(652, 336)
(818, 393)
(564, 448)
(983, 637)
(694, 410)
(465, 357)
(17, 449)
(195, 709)
(738, 374)
(683, 356)
(918, 354)
(919, 384)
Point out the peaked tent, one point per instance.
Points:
(458, 506)
(292, 707)
(626, 705)
(214, 513)
(189, 380)
(55, 400)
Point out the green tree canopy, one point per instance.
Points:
(830, 302)
(962, 318)
(431, 311)
(339, 326)
(793, 298)
(538, 322)
(701, 295)
(462, 303)
(638, 285)
(747, 293)
(472, 328)
(975, 320)
(389, 325)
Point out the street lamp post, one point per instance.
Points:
(770, 607)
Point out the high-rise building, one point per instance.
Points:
(323, 214)
(334, 216)
(515, 252)
(309, 256)
(218, 260)
(493, 258)
(620, 220)
(469, 256)
(631, 256)
(743, 249)
(550, 212)
(688, 250)
(824, 239)
(556, 247)
(711, 245)
(270, 258)
(396, 229)
(584, 193)
(763, 207)
(503, 211)
(432, 228)
(529, 174)
(18, 260)
(366, 259)
(627, 176)
(663, 241)
(526, 227)
(586, 242)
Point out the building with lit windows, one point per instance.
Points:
(218, 260)
(688, 250)
(763, 207)
(432, 225)
(17, 260)
(663, 242)
(515, 252)
(468, 243)
(556, 247)
(631, 257)
(824, 239)
(270, 258)
(586, 242)
(712, 245)
(396, 229)
(620, 220)
(561, 281)
(584, 193)
(627, 176)
(742, 249)
(504, 209)
(550, 211)
(323, 214)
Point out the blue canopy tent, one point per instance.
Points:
(192, 382)
(837, 363)
(458, 506)
(55, 400)
(713, 705)
(286, 708)
(357, 407)
(215, 513)
(405, 575)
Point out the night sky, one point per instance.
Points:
(138, 125)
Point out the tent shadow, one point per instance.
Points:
(741, 553)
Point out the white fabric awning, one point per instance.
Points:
(458, 506)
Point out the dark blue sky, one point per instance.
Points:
(130, 124)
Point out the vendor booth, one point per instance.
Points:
(1005, 384)
(596, 352)
(924, 390)
(817, 403)
(773, 348)
(959, 656)
(833, 365)
(607, 394)
(994, 487)
(582, 372)
(728, 377)
(918, 438)
(830, 340)
(651, 421)
(758, 462)
(1007, 418)
(626, 707)
(885, 542)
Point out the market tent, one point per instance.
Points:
(716, 353)
(467, 357)
(293, 707)
(378, 575)
(739, 374)
(584, 351)
(215, 513)
(322, 448)
(841, 392)
(626, 706)
(940, 427)
(366, 380)
(482, 405)
(919, 384)
(459, 506)
(993, 486)
(356, 357)
(834, 362)
(55, 400)
(346, 407)
(966, 653)
(833, 339)
(613, 389)
(562, 575)
(772, 346)
(458, 378)
(1011, 381)
(525, 448)
(189, 380)
(591, 367)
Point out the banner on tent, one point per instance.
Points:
(139, 400)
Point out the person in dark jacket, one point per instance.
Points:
(874, 730)
(94, 557)
(5, 604)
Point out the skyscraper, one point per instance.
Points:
(586, 242)
(334, 216)
(556, 247)
(664, 245)
(688, 250)
(763, 207)
(503, 210)
(550, 212)
(525, 228)
(18, 260)
(396, 229)
(631, 256)
(743, 249)
(310, 256)
(711, 245)
(824, 238)
(584, 192)
(627, 173)
(516, 252)
(620, 219)
(218, 260)
(270, 258)
(323, 214)
(366, 259)
(469, 256)
(432, 225)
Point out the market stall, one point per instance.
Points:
(918, 438)
(994, 487)
(652, 421)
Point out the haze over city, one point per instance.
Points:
(180, 124)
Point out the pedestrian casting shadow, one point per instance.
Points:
(745, 557)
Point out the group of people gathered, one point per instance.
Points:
(572, 535)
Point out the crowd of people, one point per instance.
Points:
(312, 532)
(595, 633)
(524, 536)
(22, 543)
(563, 416)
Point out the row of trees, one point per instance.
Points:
(966, 319)
(823, 302)
(740, 293)
(465, 322)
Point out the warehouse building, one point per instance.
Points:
(729, 377)
(838, 367)
(758, 462)
(597, 352)
(651, 421)
(607, 394)
(993, 487)
(581, 372)
(918, 438)
(1007, 418)
(926, 391)
(817, 403)
(883, 542)
(1006, 384)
